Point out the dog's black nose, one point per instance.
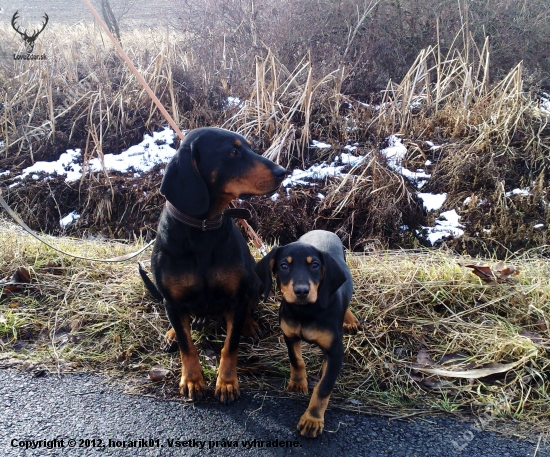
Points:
(301, 291)
(280, 172)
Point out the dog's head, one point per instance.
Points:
(304, 274)
(214, 166)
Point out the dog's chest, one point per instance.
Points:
(312, 334)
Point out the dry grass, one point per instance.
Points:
(84, 96)
(492, 135)
(76, 315)
(280, 110)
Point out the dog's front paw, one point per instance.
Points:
(227, 390)
(192, 387)
(351, 323)
(310, 426)
(297, 386)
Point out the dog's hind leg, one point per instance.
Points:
(251, 329)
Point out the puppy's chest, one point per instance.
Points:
(310, 333)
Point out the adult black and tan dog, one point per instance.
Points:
(316, 286)
(201, 263)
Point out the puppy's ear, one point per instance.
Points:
(264, 268)
(333, 278)
(182, 184)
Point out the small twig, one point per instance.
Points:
(252, 412)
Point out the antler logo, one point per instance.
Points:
(29, 39)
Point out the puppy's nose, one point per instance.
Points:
(301, 291)
(280, 172)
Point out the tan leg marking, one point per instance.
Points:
(351, 323)
(298, 376)
(227, 383)
(192, 382)
(312, 421)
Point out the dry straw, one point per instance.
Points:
(419, 309)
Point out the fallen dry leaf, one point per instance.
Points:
(537, 339)
(21, 276)
(455, 358)
(423, 358)
(541, 325)
(489, 276)
(494, 368)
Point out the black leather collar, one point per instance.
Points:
(206, 224)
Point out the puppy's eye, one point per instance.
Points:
(314, 265)
(234, 153)
(283, 267)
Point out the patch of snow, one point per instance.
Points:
(64, 166)
(153, 150)
(447, 226)
(521, 192)
(320, 196)
(350, 147)
(319, 145)
(234, 102)
(349, 159)
(537, 226)
(274, 197)
(432, 146)
(545, 103)
(69, 219)
(316, 172)
(394, 154)
(416, 104)
(432, 202)
(319, 172)
(5, 173)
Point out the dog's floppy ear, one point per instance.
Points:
(333, 278)
(182, 184)
(264, 268)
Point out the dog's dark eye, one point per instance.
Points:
(314, 265)
(283, 266)
(234, 153)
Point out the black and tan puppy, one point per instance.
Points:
(316, 285)
(201, 263)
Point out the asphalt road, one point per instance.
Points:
(99, 417)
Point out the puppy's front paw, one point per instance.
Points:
(299, 386)
(310, 426)
(227, 390)
(192, 387)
